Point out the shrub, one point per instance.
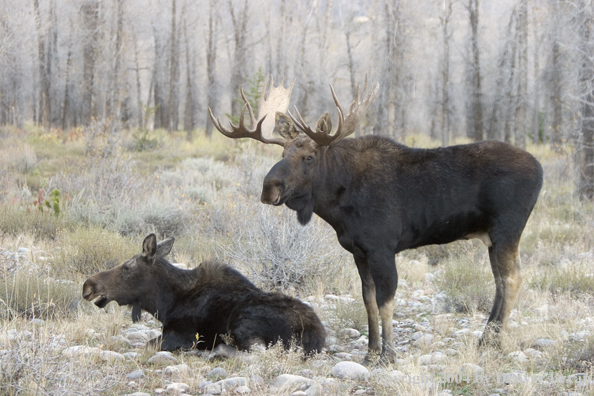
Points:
(576, 279)
(90, 250)
(25, 294)
(15, 220)
(468, 284)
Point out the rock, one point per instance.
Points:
(37, 322)
(471, 369)
(349, 333)
(533, 354)
(434, 358)
(132, 355)
(518, 356)
(135, 374)
(424, 341)
(315, 390)
(217, 373)
(177, 369)
(222, 386)
(343, 356)
(429, 277)
(176, 388)
(543, 343)
(137, 336)
(451, 352)
(120, 340)
(416, 335)
(80, 350)
(137, 394)
(287, 383)
(462, 333)
(162, 357)
(350, 370)
(242, 390)
(110, 355)
(441, 303)
(580, 335)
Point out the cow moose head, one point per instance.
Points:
(131, 281)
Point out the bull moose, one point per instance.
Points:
(382, 197)
(199, 307)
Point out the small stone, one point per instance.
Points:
(217, 373)
(136, 374)
(242, 390)
(79, 350)
(429, 277)
(350, 370)
(543, 343)
(472, 369)
(177, 369)
(136, 336)
(434, 358)
(137, 394)
(533, 354)
(37, 322)
(416, 335)
(424, 341)
(518, 356)
(132, 355)
(111, 355)
(462, 333)
(287, 383)
(221, 386)
(349, 333)
(162, 357)
(177, 387)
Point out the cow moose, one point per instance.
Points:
(200, 307)
(382, 197)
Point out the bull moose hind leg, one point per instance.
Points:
(505, 263)
(379, 288)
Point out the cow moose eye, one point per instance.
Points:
(309, 158)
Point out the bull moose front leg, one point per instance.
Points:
(379, 280)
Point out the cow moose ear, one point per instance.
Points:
(149, 246)
(164, 247)
(283, 125)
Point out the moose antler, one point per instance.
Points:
(346, 125)
(278, 100)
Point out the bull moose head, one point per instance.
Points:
(291, 181)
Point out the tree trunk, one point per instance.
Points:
(522, 95)
(445, 73)
(173, 74)
(239, 56)
(586, 163)
(475, 107)
(90, 15)
(211, 62)
(44, 71)
(189, 119)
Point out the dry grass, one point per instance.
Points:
(206, 194)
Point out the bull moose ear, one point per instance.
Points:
(164, 247)
(283, 125)
(149, 246)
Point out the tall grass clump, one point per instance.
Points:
(32, 296)
(89, 250)
(576, 279)
(467, 283)
(15, 220)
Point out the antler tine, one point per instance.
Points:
(247, 103)
(346, 124)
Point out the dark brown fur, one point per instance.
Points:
(198, 306)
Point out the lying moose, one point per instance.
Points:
(198, 306)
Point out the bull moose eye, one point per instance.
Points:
(309, 158)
